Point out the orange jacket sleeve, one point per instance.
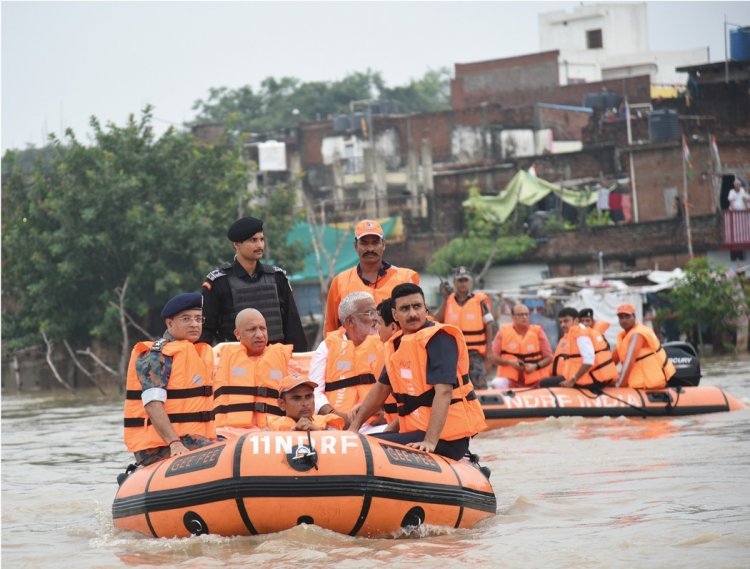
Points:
(332, 307)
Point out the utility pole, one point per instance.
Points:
(631, 161)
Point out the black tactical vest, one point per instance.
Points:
(261, 295)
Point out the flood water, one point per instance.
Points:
(570, 492)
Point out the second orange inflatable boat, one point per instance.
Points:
(506, 408)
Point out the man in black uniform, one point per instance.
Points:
(247, 283)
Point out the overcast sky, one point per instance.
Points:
(65, 61)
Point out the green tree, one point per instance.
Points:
(484, 244)
(275, 205)
(706, 297)
(271, 106)
(128, 213)
(429, 94)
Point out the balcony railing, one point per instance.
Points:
(736, 229)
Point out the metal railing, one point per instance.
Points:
(736, 229)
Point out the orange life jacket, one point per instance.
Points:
(390, 407)
(349, 281)
(601, 326)
(189, 394)
(651, 367)
(527, 349)
(469, 318)
(350, 370)
(407, 372)
(323, 422)
(567, 359)
(246, 389)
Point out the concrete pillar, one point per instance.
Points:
(428, 184)
(412, 180)
(337, 167)
(381, 186)
(249, 196)
(295, 177)
(368, 159)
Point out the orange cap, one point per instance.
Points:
(293, 381)
(626, 309)
(368, 227)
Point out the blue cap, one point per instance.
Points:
(184, 301)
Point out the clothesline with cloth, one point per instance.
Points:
(526, 189)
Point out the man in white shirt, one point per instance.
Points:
(349, 360)
(572, 333)
(739, 200)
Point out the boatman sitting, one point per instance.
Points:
(297, 402)
(350, 359)
(169, 399)
(644, 363)
(521, 352)
(248, 283)
(372, 274)
(248, 376)
(471, 312)
(427, 366)
(582, 355)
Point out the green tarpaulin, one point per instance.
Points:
(331, 236)
(528, 190)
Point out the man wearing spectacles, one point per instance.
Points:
(248, 283)
(521, 351)
(372, 274)
(248, 376)
(426, 369)
(348, 361)
(169, 399)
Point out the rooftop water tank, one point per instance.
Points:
(739, 44)
(663, 125)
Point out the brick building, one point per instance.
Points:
(511, 113)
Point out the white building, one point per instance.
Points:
(610, 41)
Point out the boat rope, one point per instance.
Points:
(597, 391)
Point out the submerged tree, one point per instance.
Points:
(708, 300)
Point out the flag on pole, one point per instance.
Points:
(686, 158)
(715, 154)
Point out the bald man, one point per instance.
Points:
(248, 376)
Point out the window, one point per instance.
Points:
(594, 39)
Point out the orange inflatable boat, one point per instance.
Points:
(505, 408)
(270, 481)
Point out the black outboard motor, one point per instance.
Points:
(685, 360)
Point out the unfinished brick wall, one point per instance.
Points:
(638, 90)
(658, 167)
(633, 246)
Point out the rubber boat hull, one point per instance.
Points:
(507, 408)
(266, 482)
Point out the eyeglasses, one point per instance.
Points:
(369, 313)
(406, 308)
(188, 319)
